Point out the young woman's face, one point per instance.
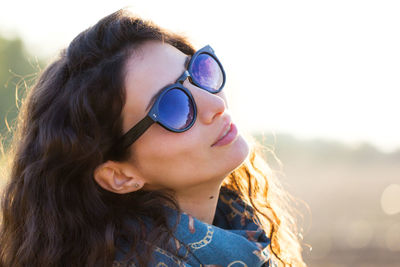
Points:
(165, 159)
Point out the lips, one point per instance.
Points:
(225, 129)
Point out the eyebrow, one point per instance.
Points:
(154, 97)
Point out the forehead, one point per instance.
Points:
(152, 66)
(153, 57)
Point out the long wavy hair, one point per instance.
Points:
(53, 211)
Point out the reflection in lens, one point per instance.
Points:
(207, 73)
(176, 109)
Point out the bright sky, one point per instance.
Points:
(314, 68)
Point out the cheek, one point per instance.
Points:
(170, 159)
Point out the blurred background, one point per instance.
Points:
(317, 82)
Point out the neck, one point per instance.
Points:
(200, 202)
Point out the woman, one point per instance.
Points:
(126, 155)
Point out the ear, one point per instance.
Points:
(117, 177)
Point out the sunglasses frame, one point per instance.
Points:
(153, 115)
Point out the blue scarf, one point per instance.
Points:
(231, 240)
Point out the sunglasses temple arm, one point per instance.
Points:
(133, 134)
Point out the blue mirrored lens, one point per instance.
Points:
(176, 109)
(207, 73)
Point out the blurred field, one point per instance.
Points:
(343, 187)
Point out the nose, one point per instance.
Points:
(209, 106)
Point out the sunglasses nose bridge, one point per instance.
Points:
(183, 77)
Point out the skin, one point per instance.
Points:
(185, 163)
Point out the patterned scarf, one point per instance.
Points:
(231, 240)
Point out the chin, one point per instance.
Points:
(242, 149)
(237, 154)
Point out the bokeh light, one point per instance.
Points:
(390, 200)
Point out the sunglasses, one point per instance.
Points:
(174, 107)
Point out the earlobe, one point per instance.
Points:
(134, 184)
